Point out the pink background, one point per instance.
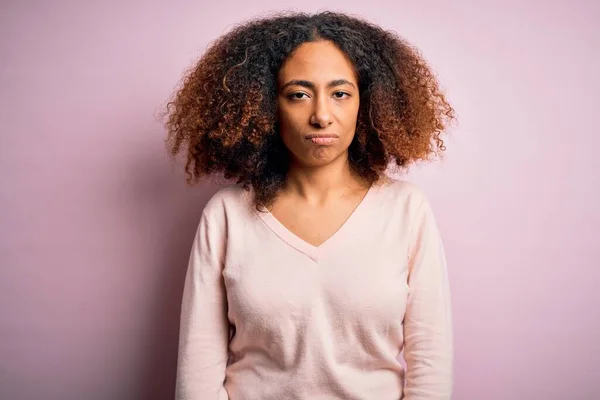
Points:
(96, 222)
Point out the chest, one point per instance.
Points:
(316, 224)
(314, 227)
(361, 279)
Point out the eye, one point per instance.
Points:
(341, 95)
(297, 95)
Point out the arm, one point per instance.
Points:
(204, 328)
(428, 349)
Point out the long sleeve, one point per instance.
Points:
(428, 350)
(204, 328)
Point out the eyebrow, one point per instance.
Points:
(310, 85)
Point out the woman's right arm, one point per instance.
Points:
(204, 327)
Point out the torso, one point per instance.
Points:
(316, 297)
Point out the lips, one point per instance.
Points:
(322, 138)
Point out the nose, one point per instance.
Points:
(321, 115)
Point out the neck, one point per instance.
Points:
(317, 184)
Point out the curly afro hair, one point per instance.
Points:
(224, 112)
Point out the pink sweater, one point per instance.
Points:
(267, 316)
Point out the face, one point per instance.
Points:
(318, 102)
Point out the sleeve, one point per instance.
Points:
(428, 349)
(204, 327)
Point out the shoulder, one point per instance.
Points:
(227, 195)
(229, 202)
(397, 192)
(403, 201)
(407, 202)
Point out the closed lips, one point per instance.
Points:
(321, 135)
(322, 138)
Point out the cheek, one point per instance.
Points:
(349, 116)
(347, 121)
(290, 127)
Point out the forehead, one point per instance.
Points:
(320, 61)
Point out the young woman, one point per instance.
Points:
(312, 271)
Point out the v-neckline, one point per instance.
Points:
(312, 251)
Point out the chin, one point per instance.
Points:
(321, 157)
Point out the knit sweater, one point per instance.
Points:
(268, 316)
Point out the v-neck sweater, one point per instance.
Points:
(266, 315)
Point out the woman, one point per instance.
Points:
(311, 274)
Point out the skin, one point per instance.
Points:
(318, 94)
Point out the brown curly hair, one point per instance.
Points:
(224, 112)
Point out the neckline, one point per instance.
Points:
(312, 251)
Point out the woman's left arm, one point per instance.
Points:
(428, 348)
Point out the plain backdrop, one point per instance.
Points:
(96, 221)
